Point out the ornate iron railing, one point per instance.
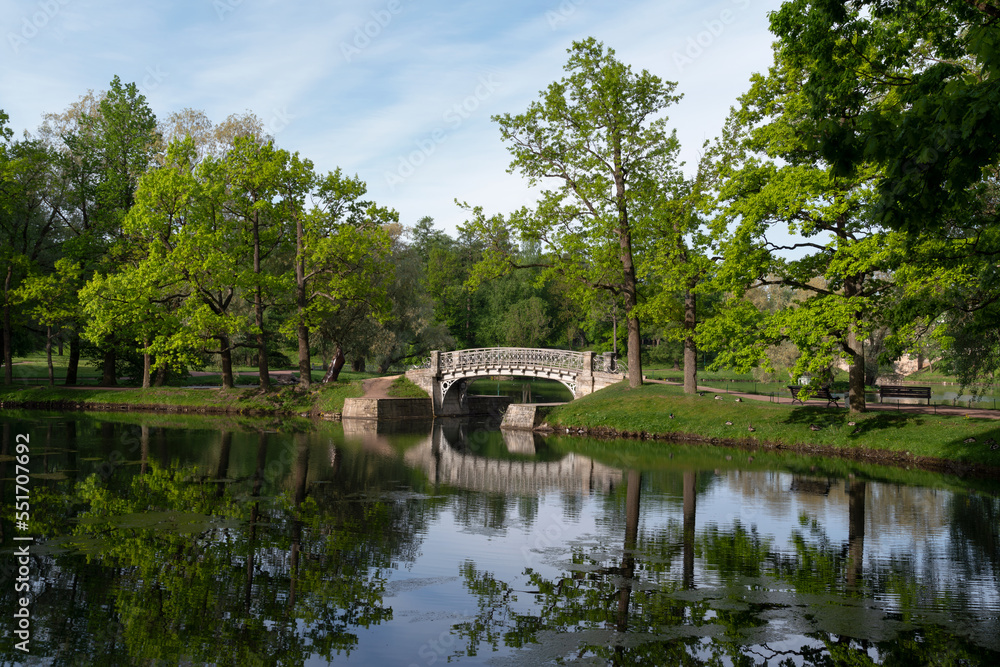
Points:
(424, 363)
(603, 364)
(510, 357)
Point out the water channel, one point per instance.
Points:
(166, 539)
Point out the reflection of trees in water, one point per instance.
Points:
(975, 534)
(649, 606)
(179, 566)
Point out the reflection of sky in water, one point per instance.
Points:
(428, 594)
(913, 548)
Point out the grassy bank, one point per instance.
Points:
(323, 399)
(875, 436)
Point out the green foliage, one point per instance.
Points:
(776, 182)
(934, 68)
(912, 88)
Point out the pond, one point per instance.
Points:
(180, 540)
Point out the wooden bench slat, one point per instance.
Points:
(898, 391)
(822, 394)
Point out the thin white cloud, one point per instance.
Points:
(367, 86)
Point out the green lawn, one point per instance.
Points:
(648, 409)
(403, 387)
(33, 369)
(322, 398)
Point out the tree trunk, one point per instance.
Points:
(305, 363)
(74, 359)
(226, 361)
(856, 370)
(48, 355)
(161, 376)
(629, 282)
(855, 532)
(690, 505)
(856, 374)
(108, 375)
(690, 347)
(147, 362)
(614, 331)
(358, 365)
(338, 363)
(8, 370)
(258, 310)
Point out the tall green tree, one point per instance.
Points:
(181, 293)
(30, 229)
(253, 174)
(914, 87)
(106, 143)
(777, 185)
(346, 263)
(600, 135)
(679, 261)
(51, 298)
(411, 331)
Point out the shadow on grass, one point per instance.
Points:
(826, 418)
(984, 447)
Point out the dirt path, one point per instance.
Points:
(871, 407)
(378, 387)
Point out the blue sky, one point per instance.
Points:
(399, 92)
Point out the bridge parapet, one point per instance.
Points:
(510, 357)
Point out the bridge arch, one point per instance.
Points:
(581, 372)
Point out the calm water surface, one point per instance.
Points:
(168, 540)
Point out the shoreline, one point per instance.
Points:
(290, 401)
(862, 455)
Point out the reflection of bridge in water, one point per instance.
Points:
(447, 463)
(446, 458)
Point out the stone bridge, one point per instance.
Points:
(446, 374)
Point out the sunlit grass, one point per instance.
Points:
(320, 398)
(648, 409)
(403, 387)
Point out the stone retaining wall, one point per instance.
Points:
(523, 417)
(388, 408)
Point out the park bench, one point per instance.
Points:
(821, 393)
(896, 391)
